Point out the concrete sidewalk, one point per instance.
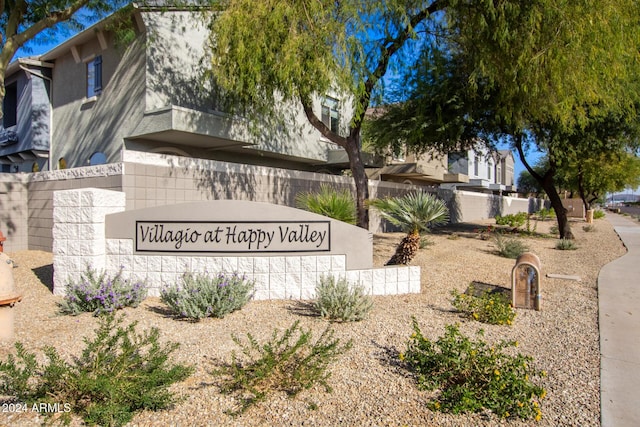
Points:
(619, 319)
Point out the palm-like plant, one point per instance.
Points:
(336, 204)
(413, 213)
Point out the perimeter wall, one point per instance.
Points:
(149, 180)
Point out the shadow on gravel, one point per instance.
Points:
(45, 275)
(390, 356)
(303, 308)
(167, 313)
(477, 289)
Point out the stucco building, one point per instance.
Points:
(93, 96)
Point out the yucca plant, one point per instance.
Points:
(336, 204)
(413, 213)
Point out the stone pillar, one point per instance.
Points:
(79, 231)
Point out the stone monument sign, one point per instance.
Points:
(284, 250)
(237, 227)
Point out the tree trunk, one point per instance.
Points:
(547, 184)
(561, 213)
(406, 250)
(583, 196)
(351, 145)
(360, 178)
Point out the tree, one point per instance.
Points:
(23, 21)
(272, 52)
(607, 172)
(537, 74)
(413, 213)
(528, 184)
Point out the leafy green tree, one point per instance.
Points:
(528, 184)
(24, 21)
(269, 53)
(536, 74)
(607, 172)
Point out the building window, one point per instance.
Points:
(476, 166)
(330, 114)
(94, 77)
(489, 166)
(10, 106)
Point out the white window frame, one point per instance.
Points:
(330, 113)
(94, 76)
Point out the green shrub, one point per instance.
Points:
(589, 228)
(543, 214)
(528, 228)
(566, 245)
(337, 300)
(554, 230)
(471, 375)
(493, 308)
(336, 204)
(201, 295)
(119, 372)
(291, 363)
(512, 220)
(598, 214)
(99, 293)
(509, 247)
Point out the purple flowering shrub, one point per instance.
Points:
(98, 293)
(201, 295)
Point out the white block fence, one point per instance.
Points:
(79, 240)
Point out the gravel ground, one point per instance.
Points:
(370, 387)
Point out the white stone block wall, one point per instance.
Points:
(78, 231)
(79, 240)
(279, 277)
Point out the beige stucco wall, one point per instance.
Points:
(176, 62)
(13, 211)
(82, 127)
(151, 180)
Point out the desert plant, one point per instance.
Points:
(545, 213)
(119, 372)
(413, 213)
(598, 214)
(566, 245)
(554, 230)
(509, 247)
(338, 300)
(336, 204)
(201, 295)
(512, 220)
(528, 228)
(589, 228)
(471, 375)
(99, 293)
(290, 362)
(490, 307)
